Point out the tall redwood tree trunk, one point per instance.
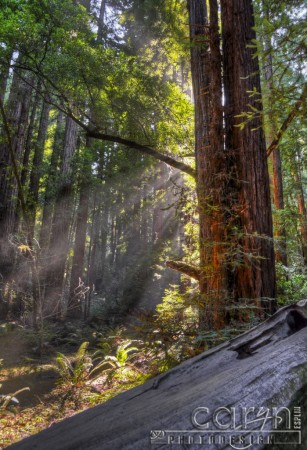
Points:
(207, 87)
(255, 274)
(236, 245)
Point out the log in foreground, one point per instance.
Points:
(265, 367)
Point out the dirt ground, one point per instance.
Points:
(19, 370)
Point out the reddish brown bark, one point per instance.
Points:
(210, 159)
(236, 248)
(254, 270)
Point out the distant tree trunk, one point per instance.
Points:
(36, 171)
(278, 192)
(101, 22)
(51, 182)
(278, 198)
(29, 139)
(74, 308)
(302, 212)
(158, 219)
(17, 116)
(94, 237)
(59, 240)
(31, 271)
(4, 76)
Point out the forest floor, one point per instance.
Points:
(47, 401)
(19, 369)
(52, 398)
(51, 364)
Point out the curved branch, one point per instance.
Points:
(191, 271)
(293, 113)
(96, 134)
(144, 149)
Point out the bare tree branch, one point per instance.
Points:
(187, 269)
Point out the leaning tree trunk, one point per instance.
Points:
(253, 267)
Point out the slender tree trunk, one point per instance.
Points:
(50, 185)
(278, 192)
(4, 76)
(59, 240)
(101, 22)
(74, 302)
(94, 237)
(32, 269)
(36, 171)
(302, 212)
(17, 117)
(29, 139)
(74, 309)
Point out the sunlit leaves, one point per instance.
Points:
(132, 94)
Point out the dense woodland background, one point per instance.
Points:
(140, 134)
(152, 189)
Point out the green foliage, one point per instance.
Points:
(130, 91)
(84, 368)
(121, 364)
(171, 332)
(292, 284)
(79, 369)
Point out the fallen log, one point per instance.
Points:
(252, 388)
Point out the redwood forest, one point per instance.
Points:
(152, 195)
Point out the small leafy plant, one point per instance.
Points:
(83, 369)
(80, 369)
(121, 363)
